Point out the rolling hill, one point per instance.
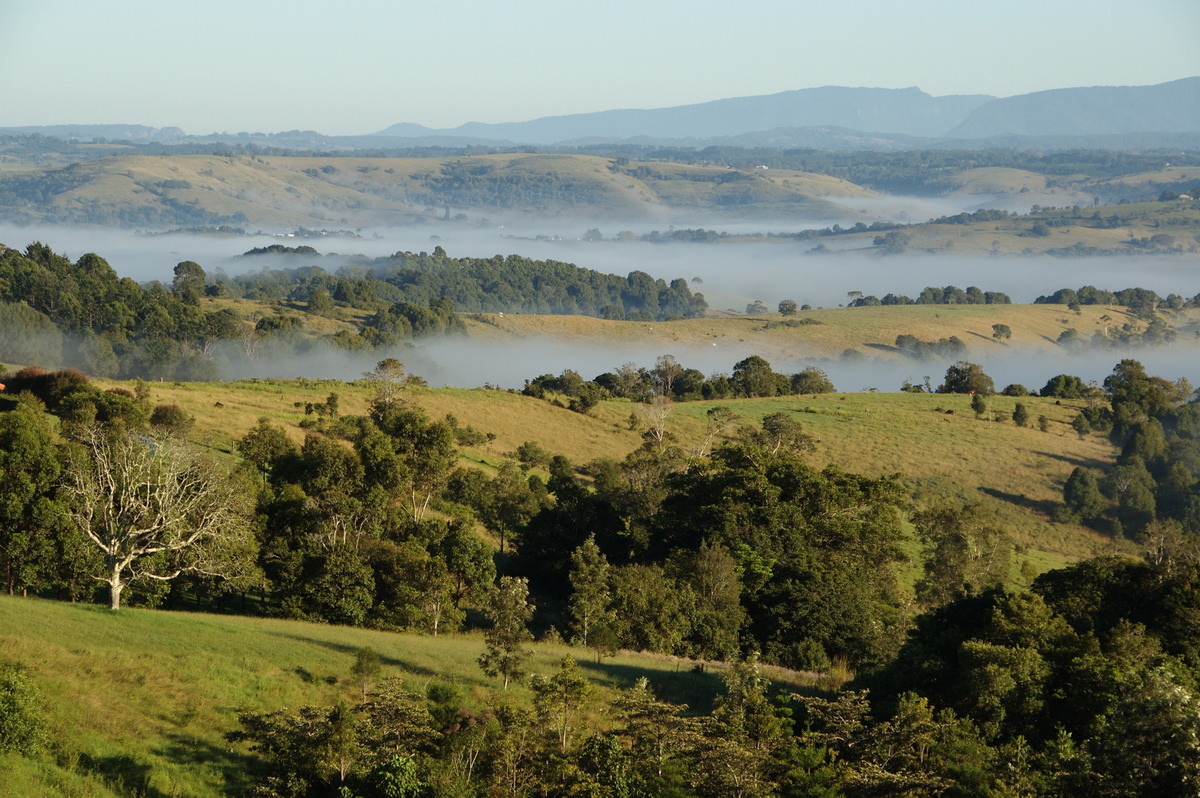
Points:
(281, 192)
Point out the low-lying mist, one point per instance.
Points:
(729, 275)
(472, 363)
(734, 272)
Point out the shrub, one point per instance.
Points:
(172, 419)
(20, 712)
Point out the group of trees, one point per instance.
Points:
(1140, 301)
(1083, 685)
(1152, 492)
(932, 295)
(511, 284)
(669, 380)
(81, 314)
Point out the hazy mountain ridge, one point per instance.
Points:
(903, 111)
(828, 117)
(885, 117)
(1098, 110)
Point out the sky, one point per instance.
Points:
(357, 66)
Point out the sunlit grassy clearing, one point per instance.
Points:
(151, 693)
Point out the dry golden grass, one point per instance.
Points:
(289, 191)
(870, 330)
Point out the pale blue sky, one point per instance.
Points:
(357, 66)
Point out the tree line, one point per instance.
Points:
(512, 284)
(670, 381)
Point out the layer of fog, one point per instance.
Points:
(471, 363)
(729, 274)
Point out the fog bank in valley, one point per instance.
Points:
(729, 274)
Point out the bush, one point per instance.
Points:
(20, 712)
(172, 419)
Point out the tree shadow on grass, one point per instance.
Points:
(1082, 462)
(691, 684)
(1045, 507)
(236, 769)
(351, 651)
(123, 773)
(987, 338)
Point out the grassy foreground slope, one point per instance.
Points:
(137, 701)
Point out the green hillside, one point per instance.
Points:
(138, 702)
(1017, 472)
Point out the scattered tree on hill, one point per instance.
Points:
(1081, 425)
(811, 380)
(964, 377)
(365, 669)
(387, 378)
(22, 727)
(590, 595)
(1020, 415)
(980, 405)
(560, 698)
(509, 611)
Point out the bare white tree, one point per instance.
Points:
(655, 413)
(156, 509)
(388, 380)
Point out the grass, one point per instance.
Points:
(138, 701)
(287, 191)
(828, 331)
(934, 440)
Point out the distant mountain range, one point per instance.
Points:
(830, 117)
(892, 118)
(908, 112)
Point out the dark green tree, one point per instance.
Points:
(1082, 499)
(30, 467)
(1020, 415)
(964, 377)
(22, 725)
(589, 607)
(509, 611)
(188, 284)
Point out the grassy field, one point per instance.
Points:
(290, 191)
(933, 440)
(824, 333)
(137, 702)
(1069, 229)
